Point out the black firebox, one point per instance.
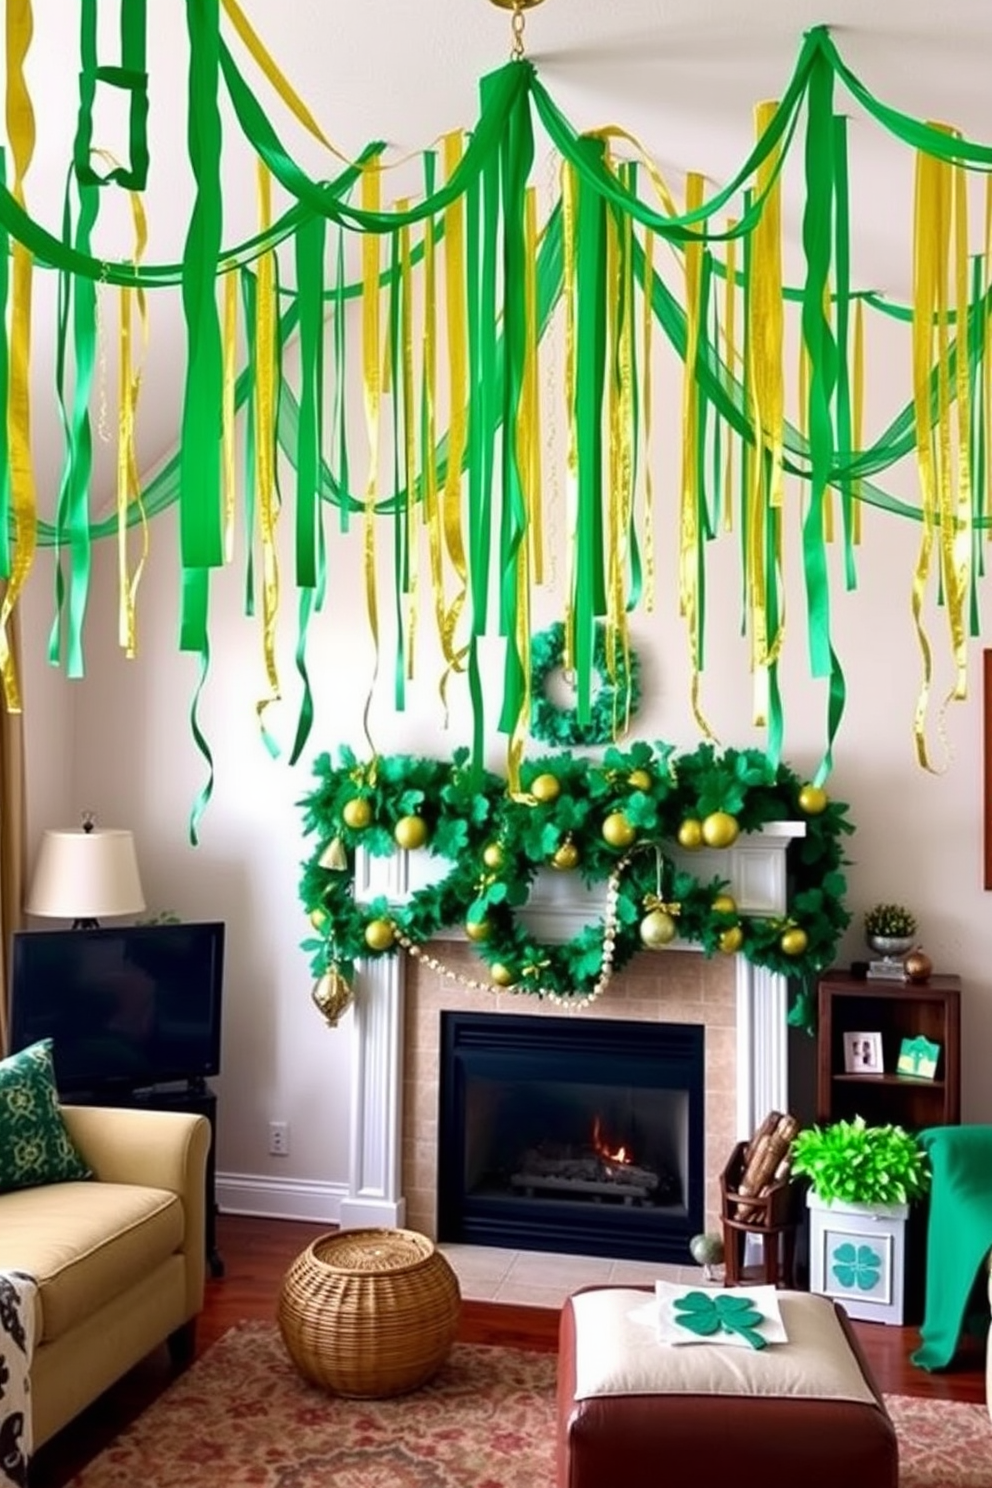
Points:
(571, 1134)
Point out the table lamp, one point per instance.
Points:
(85, 875)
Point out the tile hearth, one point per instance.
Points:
(531, 1278)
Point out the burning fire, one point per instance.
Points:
(621, 1155)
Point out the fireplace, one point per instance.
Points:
(577, 1136)
(395, 1025)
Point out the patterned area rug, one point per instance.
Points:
(242, 1417)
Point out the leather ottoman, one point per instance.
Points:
(639, 1413)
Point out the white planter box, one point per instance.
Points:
(857, 1254)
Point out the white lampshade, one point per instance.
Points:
(86, 875)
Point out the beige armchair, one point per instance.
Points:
(119, 1260)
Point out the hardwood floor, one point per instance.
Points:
(256, 1253)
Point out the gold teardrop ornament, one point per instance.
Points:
(332, 996)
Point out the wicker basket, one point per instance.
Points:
(369, 1313)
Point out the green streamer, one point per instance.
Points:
(589, 597)
(842, 301)
(131, 77)
(309, 243)
(200, 528)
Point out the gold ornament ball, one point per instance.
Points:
(545, 787)
(639, 780)
(379, 934)
(691, 834)
(917, 965)
(410, 832)
(501, 975)
(357, 813)
(731, 940)
(493, 856)
(724, 904)
(720, 829)
(794, 941)
(657, 928)
(478, 930)
(319, 917)
(812, 800)
(565, 857)
(617, 830)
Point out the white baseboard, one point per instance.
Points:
(279, 1198)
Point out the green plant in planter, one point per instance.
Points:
(854, 1163)
(894, 921)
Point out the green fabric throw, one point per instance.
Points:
(959, 1234)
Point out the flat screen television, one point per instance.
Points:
(132, 1007)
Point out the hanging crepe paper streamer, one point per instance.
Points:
(594, 246)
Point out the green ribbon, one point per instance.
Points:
(131, 77)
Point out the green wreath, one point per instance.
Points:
(614, 703)
(607, 822)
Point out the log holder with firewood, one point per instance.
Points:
(757, 1198)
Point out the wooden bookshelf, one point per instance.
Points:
(897, 1010)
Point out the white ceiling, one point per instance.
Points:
(683, 75)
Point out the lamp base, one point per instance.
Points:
(88, 924)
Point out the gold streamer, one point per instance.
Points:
(931, 236)
(372, 396)
(128, 480)
(21, 133)
(266, 383)
(690, 536)
(428, 473)
(647, 415)
(958, 519)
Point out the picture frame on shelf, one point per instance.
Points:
(863, 1053)
(918, 1058)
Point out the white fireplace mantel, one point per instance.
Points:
(560, 904)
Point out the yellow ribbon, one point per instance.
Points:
(858, 409)
(529, 429)
(670, 907)
(690, 535)
(731, 359)
(406, 385)
(266, 383)
(128, 479)
(647, 416)
(21, 133)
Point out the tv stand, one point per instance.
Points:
(194, 1096)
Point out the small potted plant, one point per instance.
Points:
(862, 1180)
(889, 928)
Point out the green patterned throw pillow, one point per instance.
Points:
(35, 1146)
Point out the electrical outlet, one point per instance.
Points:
(279, 1138)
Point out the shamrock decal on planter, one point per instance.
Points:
(857, 1267)
(705, 1315)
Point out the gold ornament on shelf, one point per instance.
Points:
(332, 996)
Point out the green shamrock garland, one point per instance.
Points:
(607, 821)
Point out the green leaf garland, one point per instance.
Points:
(494, 845)
(612, 706)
